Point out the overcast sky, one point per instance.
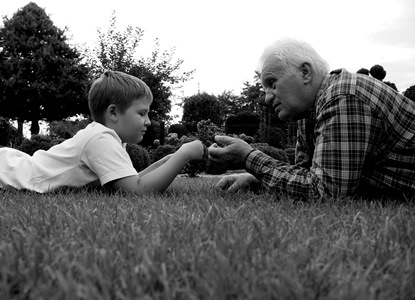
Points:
(223, 39)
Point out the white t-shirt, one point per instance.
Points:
(94, 153)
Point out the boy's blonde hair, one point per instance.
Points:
(114, 87)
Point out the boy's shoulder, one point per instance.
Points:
(95, 130)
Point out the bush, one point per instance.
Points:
(37, 142)
(215, 168)
(180, 129)
(273, 152)
(244, 122)
(290, 153)
(172, 139)
(206, 131)
(8, 133)
(163, 150)
(67, 129)
(139, 156)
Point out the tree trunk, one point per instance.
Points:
(19, 136)
(34, 128)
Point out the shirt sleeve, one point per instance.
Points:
(344, 133)
(107, 158)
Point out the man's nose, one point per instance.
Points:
(269, 96)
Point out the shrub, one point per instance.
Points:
(163, 150)
(206, 131)
(215, 168)
(244, 122)
(67, 129)
(139, 156)
(8, 133)
(37, 142)
(273, 152)
(172, 139)
(290, 153)
(180, 129)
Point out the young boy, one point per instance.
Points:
(119, 104)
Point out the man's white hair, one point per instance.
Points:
(289, 54)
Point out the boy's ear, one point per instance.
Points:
(112, 112)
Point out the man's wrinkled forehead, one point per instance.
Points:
(270, 67)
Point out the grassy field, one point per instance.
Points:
(195, 242)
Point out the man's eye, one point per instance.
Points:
(270, 83)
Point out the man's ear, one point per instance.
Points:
(112, 112)
(306, 70)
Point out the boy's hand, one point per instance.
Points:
(195, 150)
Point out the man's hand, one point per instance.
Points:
(229, 150)
(233, 183)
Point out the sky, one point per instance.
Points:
(222, 40)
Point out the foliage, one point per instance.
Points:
(139, 156)
(244, 122)
(42, 76)
(154, 131)
(117, 50)
(271, 151)
(180, 129)
(252, 95)
(290, 154)
(229, 104)
(201, 107)
(173, 139)
(378, 72)
(36, 142)
(66, 129)
(162, 150)
(195, 242)
(410, 93)
(193, 168)
(206, 131)
(273, 131)
(272, 135)
(215, 168)
(363, 71)
(7, 133)
(391, 84)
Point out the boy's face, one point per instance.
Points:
(133, 123)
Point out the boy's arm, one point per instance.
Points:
(160, 178)
(154, 165)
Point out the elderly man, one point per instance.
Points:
(356, 135)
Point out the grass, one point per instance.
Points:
(195, 242)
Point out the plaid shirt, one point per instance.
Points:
(359, 139)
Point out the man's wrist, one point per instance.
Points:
(246, 156)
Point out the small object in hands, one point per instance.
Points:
(205, 152)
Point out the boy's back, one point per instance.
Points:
(94, 153)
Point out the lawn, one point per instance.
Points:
(195, 242)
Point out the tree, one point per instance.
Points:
(229, 103)
(391, 84)
(252, 95)
(378, 72)
(410, 93)
(201, 107)
(117, 50)
(42, 76)
(363, 71)
(244, 122)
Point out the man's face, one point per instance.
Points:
(285, 91)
